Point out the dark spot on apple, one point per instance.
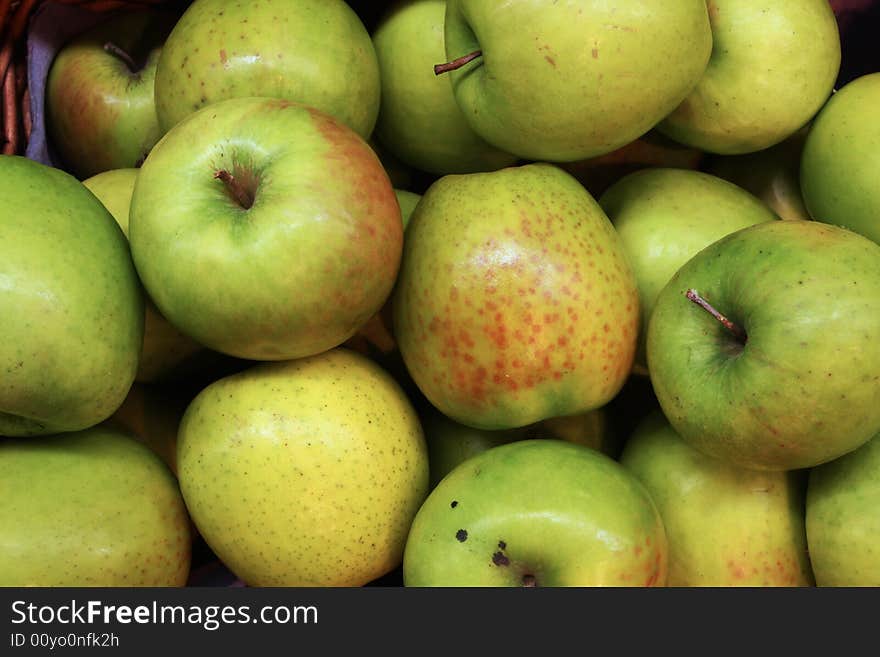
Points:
(461, 535)
(502, 545)
(500, 559)
(529, 580)
(454, 503)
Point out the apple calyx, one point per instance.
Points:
(529, 581)
(240, 192)
(735, 329)
(456, 63)
(119, 53)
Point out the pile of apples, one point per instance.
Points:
(482, 293)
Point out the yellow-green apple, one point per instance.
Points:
(565, 81)
(305, 472)
(90, 508)
(725, 525)
(773, 65)
(164, 347)
(537, 513)
(71, 307)
(840, 165)
(100, 106)
(316, 52)
(419, 120)
(771, 174)
(664, 216)
(843, 518)
(763, 349)
(515, 300)
(265, 229)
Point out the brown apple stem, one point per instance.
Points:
(240, 193)
(735, 329)
(529, 581)
(456, 63)
(115, 50)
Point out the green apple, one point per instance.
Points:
(840, 165)
(775, 364)
(265, 229)
(100, 107)
(773, 66)
(164, 348)
(843, 522)
(652, 149)
(316, 52)
(725, 525)
(419, 120)
(665, 216)
(529, 315)
(537, 513)
(306, 472)
(771, 174)
(565, 81)
(71, 308)
(451, 443)
(90, 508)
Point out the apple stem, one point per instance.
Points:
(529, 581)
(735, 329)
(456, 63)
(239, 192)
(113, 49)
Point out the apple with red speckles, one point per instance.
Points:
(537, 513)
(265, 229)
(515, 300)
(315, 52)
(725, 525)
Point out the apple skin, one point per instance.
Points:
(316, 52)
(90, 508)
(567, 81)
(101, 115)
(295, 274)
(772, 68)
(531, 315)
(562, 514)
(664, 216)
(772, 174)
(419, 120)
(840, 164)
(71, 304)
(306, 472)
(843, 498)
(725, 525)
(804, 388)
(164, 347)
